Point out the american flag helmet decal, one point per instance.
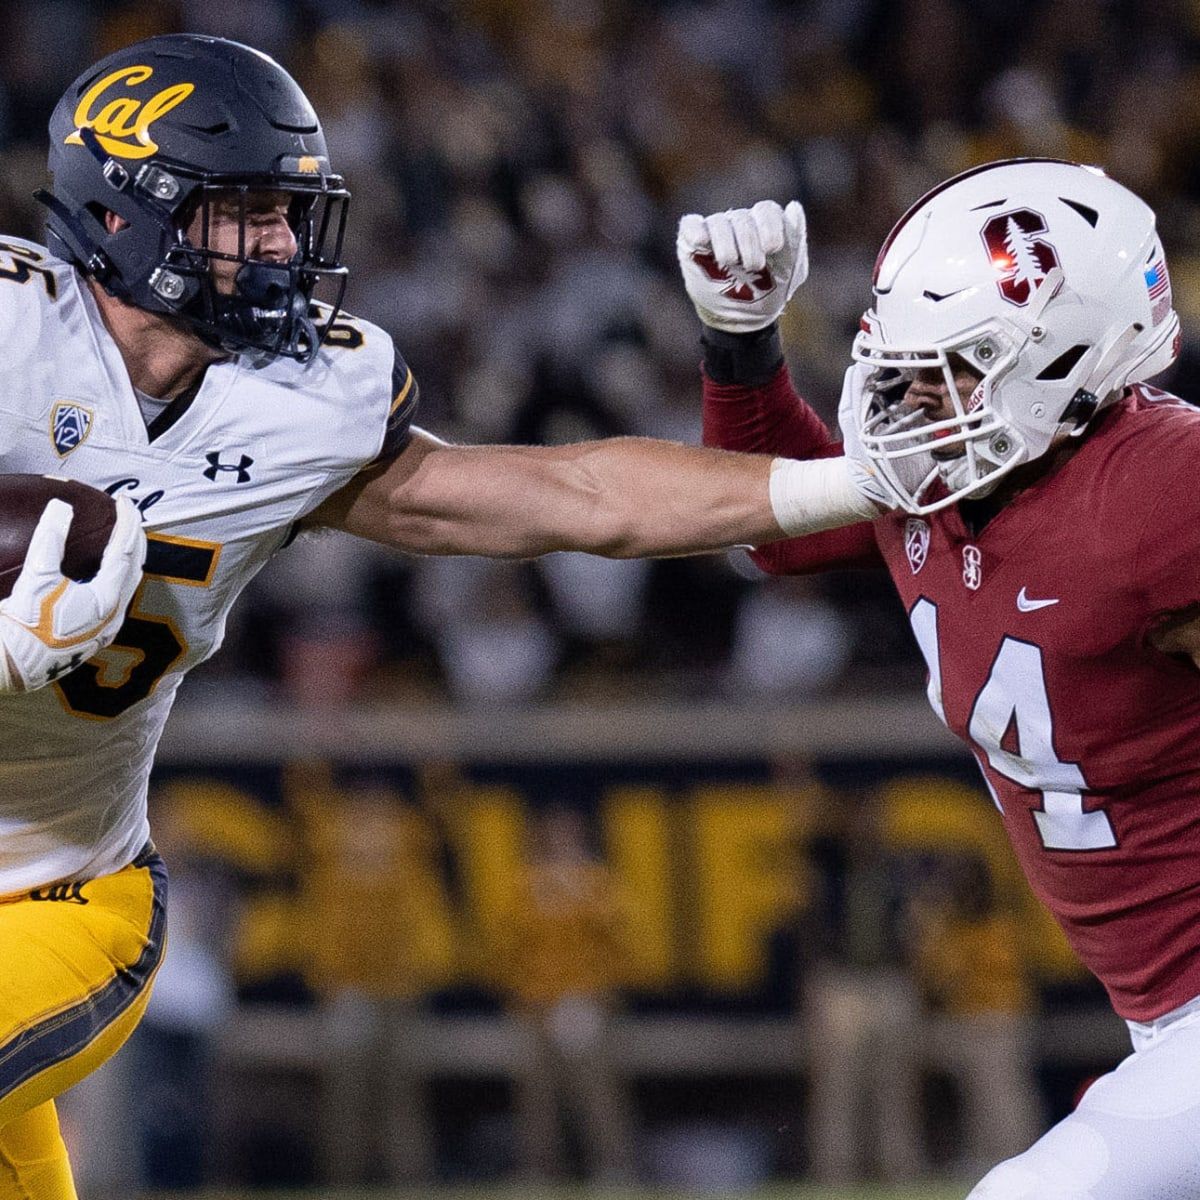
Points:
(1158, 287)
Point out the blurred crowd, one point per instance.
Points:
(518, 168)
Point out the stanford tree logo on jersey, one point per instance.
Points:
(1021, 258)
(972, 567)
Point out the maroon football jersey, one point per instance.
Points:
(1035, 630)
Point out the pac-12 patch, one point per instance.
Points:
(916, 542)
(70, 423)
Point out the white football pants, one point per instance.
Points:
(1135, 1134)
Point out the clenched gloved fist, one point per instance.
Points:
(50, 624)
(741, 267)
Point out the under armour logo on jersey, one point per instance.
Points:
(972, 567)
(64, 667)
(69, 425)
(216, 466)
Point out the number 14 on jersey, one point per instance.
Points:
(1014, 697)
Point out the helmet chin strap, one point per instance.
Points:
(1107, 375)
(955, 475)
(1047, 290)
(1102, 383)
(75, 237)
(265, 302)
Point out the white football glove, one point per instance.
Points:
(741, 267)
(50, 624)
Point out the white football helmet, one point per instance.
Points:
(1045, 276)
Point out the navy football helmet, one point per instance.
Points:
(159, 133)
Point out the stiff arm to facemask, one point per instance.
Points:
(826, 493)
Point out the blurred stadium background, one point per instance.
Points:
(576, 1193)
(494, 876)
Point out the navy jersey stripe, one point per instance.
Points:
(65, 1034)
(405, 399)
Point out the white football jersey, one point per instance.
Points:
(220, 491)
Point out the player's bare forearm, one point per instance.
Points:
(621, 498)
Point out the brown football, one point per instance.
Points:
(22, 500)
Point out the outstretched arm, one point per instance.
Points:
(621, 497)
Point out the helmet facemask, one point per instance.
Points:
(933, 464)
(240, 303)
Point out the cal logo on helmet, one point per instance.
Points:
(122, 124)
(70, 424)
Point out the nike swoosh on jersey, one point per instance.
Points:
(1026, 605)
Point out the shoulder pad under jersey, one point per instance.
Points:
(32, 281)
(347, 400)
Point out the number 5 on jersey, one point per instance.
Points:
(147, 645)
(1014, 695)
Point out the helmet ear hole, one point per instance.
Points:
(113, 222)
(1063, 365)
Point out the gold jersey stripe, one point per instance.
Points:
(402, 393)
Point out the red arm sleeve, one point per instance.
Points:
(773, 419)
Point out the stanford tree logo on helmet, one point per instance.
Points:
(1028, 337)
(162, 133)
(1021, 257)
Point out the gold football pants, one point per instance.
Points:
(77, 961)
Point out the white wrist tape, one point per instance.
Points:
(815, 494)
